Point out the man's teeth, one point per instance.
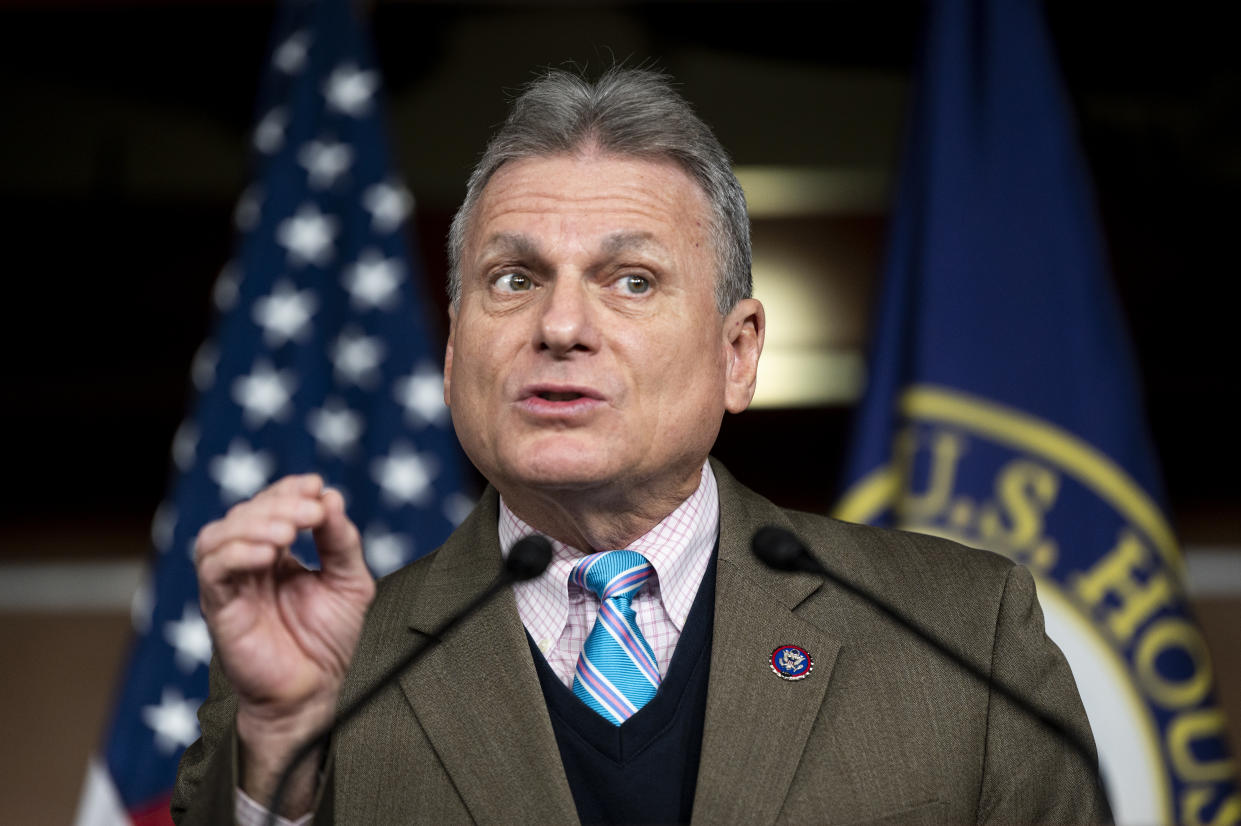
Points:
(560, 397)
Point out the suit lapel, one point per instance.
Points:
(756, 724)
(477, 695)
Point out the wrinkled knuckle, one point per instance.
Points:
(271, 509)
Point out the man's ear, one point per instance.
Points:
(744, 329)
(452, 334)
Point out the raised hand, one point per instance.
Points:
(284, 634)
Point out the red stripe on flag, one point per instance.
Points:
(156, 813)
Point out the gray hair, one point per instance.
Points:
(629, 112)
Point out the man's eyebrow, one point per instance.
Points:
(627, 240)
(512, 243)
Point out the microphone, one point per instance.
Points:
(527, 559)
(781, 550)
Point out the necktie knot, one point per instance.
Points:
(613, 574)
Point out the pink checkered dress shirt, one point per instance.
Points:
(559, 614)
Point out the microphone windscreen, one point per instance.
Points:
(528, 557)
(780, 549)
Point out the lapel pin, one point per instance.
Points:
(791, 662)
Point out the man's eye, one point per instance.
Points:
(636, 284)
(514, 282)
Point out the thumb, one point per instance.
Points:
(338, 541)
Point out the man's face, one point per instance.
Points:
(587, 351)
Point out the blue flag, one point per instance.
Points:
(1003, 407)
(319, 360)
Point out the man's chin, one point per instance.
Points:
(548, 471)
(564, 479)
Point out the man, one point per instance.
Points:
(601, 325)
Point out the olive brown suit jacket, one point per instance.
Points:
(883, 730)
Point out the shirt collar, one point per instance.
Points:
(679, 548)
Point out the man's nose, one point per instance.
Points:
(567, 323)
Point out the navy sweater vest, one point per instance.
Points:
(646, 770)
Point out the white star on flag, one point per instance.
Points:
(386, 551)
(269, 134)
(335, 427)
(163, 524)
(357, 357)
(241, 472)
(185, 445)
(142, 604)
(457, 507)
(422, 395)
(224, 293)
(373, 280)
(202, 369)
(285, 314)
(349, 89)
(325, 162)
(264, 394)
(189, 637)
(388, 203)
(290, 56)
(249, 208)
(308, 236)
(173, 721)
(404, 475)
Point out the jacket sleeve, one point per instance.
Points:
(205, 791)
(1032, 774)
(207, 776)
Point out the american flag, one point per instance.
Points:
(319, 360)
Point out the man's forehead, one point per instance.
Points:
(521, 244)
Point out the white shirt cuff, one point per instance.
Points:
(249, 813)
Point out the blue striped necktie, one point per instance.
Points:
(616, 671)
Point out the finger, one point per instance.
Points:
(278, 496)
(298, 484)
(217, 572)
(338, 541)
(274, 519)
(254, 528)
(235, 558)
